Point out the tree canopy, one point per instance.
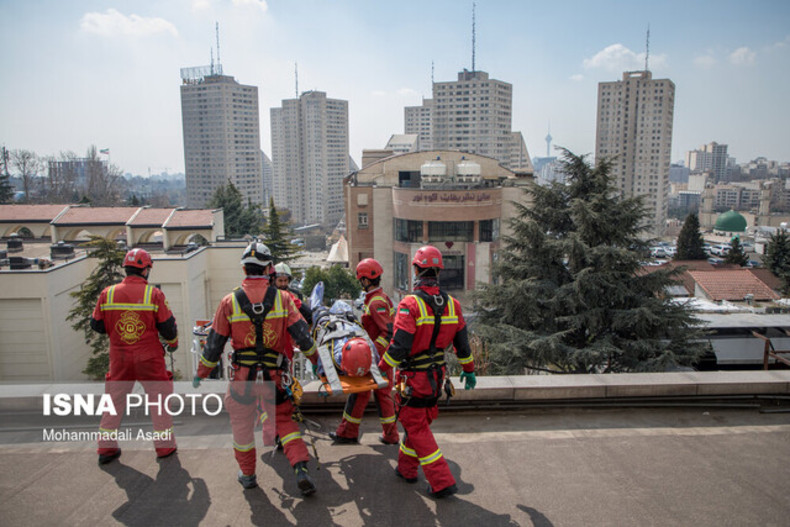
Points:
(690, 244)
(108, 271)
(736, 255)
(339, 282)
(240, 219)
(570, 294)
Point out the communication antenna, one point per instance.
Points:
(212, 61)
(473, 36)
(432, 81)
(219, 62)
(647, 46)
(296, 78)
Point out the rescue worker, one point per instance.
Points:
(377, 315)
(282, 280)
(258, 318)
(426, 323)
(133, 314)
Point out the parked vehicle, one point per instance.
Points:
(721, 249)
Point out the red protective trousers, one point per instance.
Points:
(355, 408)
(125, 368)
(419, 448)
(243, 416)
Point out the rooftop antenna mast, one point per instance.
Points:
(647, 46)
(473, 36)
(296, 78)
(219, 62)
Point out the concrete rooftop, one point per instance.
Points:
(697, 462)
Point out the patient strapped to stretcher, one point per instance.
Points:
(347, 358)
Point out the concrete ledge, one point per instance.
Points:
(506, 389)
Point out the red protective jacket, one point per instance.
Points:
(231, 322)
(133, 313)
(377, 316)
(413, 329)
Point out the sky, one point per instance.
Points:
(107, 73)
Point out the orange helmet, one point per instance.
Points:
(428, 256)
(138, 258)
(356, 357)
(369, 268)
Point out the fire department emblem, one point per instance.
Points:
(130, 327)
(269, 337)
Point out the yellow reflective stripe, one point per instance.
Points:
(290, 437)
(466, 360)
(107, 430)
(387, 420)
(128, 307)
(146, 305)
(382, 340)
(389, 360)
(311, 351)
(244, 448)
(352, 419)
(426, 318)
(264, 416)
(407, 451)
(427, 460)
(205, 362)
(174, 339)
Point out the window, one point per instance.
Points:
(452, 276)
(402, 271)
(407, 230)
(489, 230)
(458, 231)
(362, 220)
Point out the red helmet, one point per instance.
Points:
(428, 256)
(369, 268)
(138, 258)
(356, 357)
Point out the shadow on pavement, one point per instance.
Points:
(173, 498)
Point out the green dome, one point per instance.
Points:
(731, 222)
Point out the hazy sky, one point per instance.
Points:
(77, 73)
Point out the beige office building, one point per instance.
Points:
(634, 127)
(222, 139)
(455, 201)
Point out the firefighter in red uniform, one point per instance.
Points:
(257, 318)
(133, 313)
(377, 316)
(426, 323)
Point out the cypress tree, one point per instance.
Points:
(108, 271)
(571, 295)
(736, 255)
(777, 258)
(690, 245)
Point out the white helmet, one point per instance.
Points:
(256, 253)
(282, 269)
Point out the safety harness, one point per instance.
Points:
(430, 361)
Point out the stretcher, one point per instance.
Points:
(332, 328)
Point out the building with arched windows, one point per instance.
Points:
(455, 201)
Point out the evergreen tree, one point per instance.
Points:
(690, 243)
(571, 295)
(108, 271)
(339, 282)
(736, 255)
(6, 188)
(239, 219)
(277, 235)
(777, 257)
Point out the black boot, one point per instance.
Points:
(303, 479)
(340, 440)
(107, 458)
(443, 493)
